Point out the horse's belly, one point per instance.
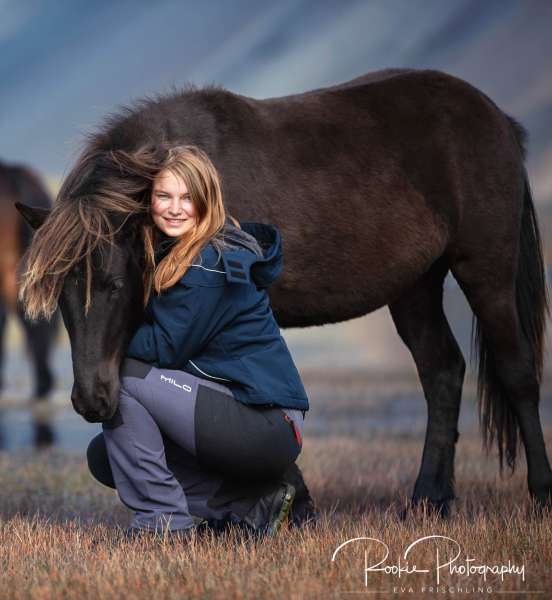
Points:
(351, 267)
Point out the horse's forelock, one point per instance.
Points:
(75, 230)
(102, 191)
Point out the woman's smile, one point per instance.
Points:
(174, 222)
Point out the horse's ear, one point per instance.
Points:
(34, 215)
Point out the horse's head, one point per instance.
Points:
(101, 302)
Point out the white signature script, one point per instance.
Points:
(444, 561)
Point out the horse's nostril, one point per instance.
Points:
(94, 416)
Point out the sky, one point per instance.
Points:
(65, 65)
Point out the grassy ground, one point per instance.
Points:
(59, 532)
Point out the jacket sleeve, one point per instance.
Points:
(175, 334)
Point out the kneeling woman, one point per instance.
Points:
(211, 405)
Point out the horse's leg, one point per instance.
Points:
(508, 372)
(3, 321)
(422, 325)
(40, 336)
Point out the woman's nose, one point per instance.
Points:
(175, 207)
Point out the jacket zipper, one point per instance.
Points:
(295, 430)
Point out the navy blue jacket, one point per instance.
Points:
(216, 323)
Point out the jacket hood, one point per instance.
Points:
(263, 267)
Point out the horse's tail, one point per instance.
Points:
(496, 414)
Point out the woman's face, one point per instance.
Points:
(172, 209)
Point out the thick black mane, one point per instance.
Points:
(154, 119)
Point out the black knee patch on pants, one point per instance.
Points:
(135, 368)
(98, 461)
(246, 442)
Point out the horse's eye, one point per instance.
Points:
(116, 286)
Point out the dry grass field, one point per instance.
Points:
(59, 529)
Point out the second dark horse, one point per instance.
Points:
(380, 186)
(22, 184)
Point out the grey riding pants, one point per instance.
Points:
(179, 445)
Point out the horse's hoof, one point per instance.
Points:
(426, 507)
(542, 498)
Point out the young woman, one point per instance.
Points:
(211, 405)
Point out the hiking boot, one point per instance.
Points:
(304, 512)
(171, 535)
(267, 516)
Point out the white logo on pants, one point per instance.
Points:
(184, 387)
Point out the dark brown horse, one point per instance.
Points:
(20, 183)
(380, 187)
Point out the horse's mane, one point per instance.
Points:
(151, 119)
